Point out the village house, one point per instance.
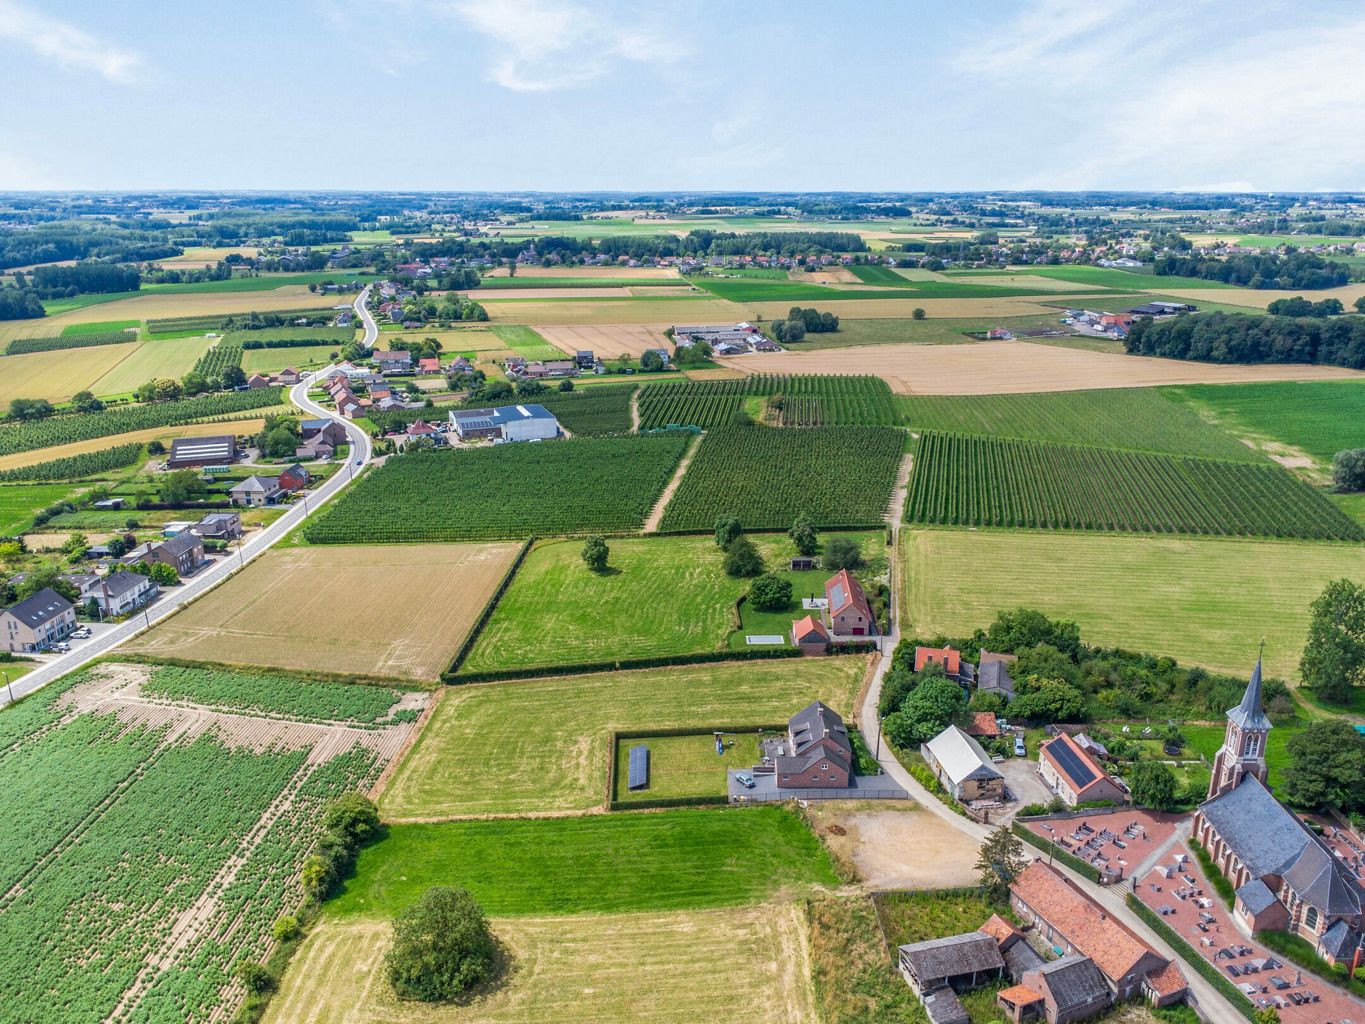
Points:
(397, 361)
(257, 381)
(982, 725)
(325, 427)
(505, 423)
(1285, 877)
(993, 674)
(1065, 990)
(938, 969)
(184, 553)
(1074, 774)
(955, 667)
(430, 364)
(816, 752)
(37, 622)
(196, 452)
(315, 449)
(256, 491)
(1071, 922)
(848, 611)
(288, 376)
(219, 526)
(962, 767)
(293, 478)
(120, 592)
(810, 635)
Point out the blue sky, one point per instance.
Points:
(585, 94)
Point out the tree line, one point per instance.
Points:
(1296, 270)
(1245, 338)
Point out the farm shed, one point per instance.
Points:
(216, 450)
(962, 767)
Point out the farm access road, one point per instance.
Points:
(223, 567)
(1214, 1007)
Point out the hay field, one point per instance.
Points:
(547, 743)
(1205, 601)
(152, 305)
(173, 358)
(58, 375)
(165, 434)
(486, 295)
(197, 257)
(664, 968)
(621, 311)
(1260, 298)
(290, 608)
(272, 360)
(609, 341)
(1014, 367)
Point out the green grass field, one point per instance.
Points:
(1140, 419)
(672, 860)
(879, 275)
(660, 596)
(543, 744)
(685, 765)
(931, 331)
(1321, 417)
(19, 503)
(264, 283)
(1202, 601)
(272, 360)
(1106, 277)
(152, 359)
(813, 294)
(1206, 739)
(526, 342)
(76, 330)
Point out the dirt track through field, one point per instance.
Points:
(656, 515)
(1012, 367)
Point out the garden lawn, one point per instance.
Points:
(671, 860)
(544, 744)
(1206, 739)
(526, 342)
(1202, 601)
(685, 766)
(1319, 418)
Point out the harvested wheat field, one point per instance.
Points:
(95, 444)
(534, 313)
(300, 608)
(678, 967)
(532, 292)
(831, 275)
(1014, 367)
(608, 341)
(58, 375)
(1260, 298)
(715, 373)
(153, 305)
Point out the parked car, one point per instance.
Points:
(745, 779)
(81, 634)
(1019, 749)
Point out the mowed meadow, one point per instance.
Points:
(1203, 601)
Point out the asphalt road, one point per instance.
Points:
(219, 568)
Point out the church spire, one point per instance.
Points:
(1243, 750)
(1250, 713)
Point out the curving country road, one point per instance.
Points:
(223, 566)
(1213, 1006)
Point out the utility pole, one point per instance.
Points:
(8, 685)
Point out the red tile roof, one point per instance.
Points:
(950, 659)
(1167, 981)
(844, 592)
(802, 628)
(1098, 774)
(1081, 921)
(983, 724)
(999, 929)
(1020, 995)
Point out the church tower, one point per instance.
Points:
(1243, 750)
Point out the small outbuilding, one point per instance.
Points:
(962, 767)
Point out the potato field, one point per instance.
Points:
(149, 848)
(801, 401)
(575, 486)
(976, 481)
(56, 430)
(839, 476)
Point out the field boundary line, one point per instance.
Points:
(488, 610)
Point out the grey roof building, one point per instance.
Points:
(958, 961)
(1072, 986)
(39, 609)
(994, 677)
(816, 752)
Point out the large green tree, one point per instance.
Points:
(1153, 785)
(1000, 859)
(1334, 657)
(925, 711)
(1326, 766)
(442, 947)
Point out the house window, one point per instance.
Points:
(824, 767)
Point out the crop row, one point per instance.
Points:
(592, 411)
(224, 355)
(975, 481)
(581, 485)
(66, 429)
(815, 401)
(56, 343)
(74, 467)
(276, 695)
(839, 476)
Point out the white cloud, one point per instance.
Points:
(69, 46)
(544, 45)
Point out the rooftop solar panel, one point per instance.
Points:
(1076, 769)
(638, 777)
